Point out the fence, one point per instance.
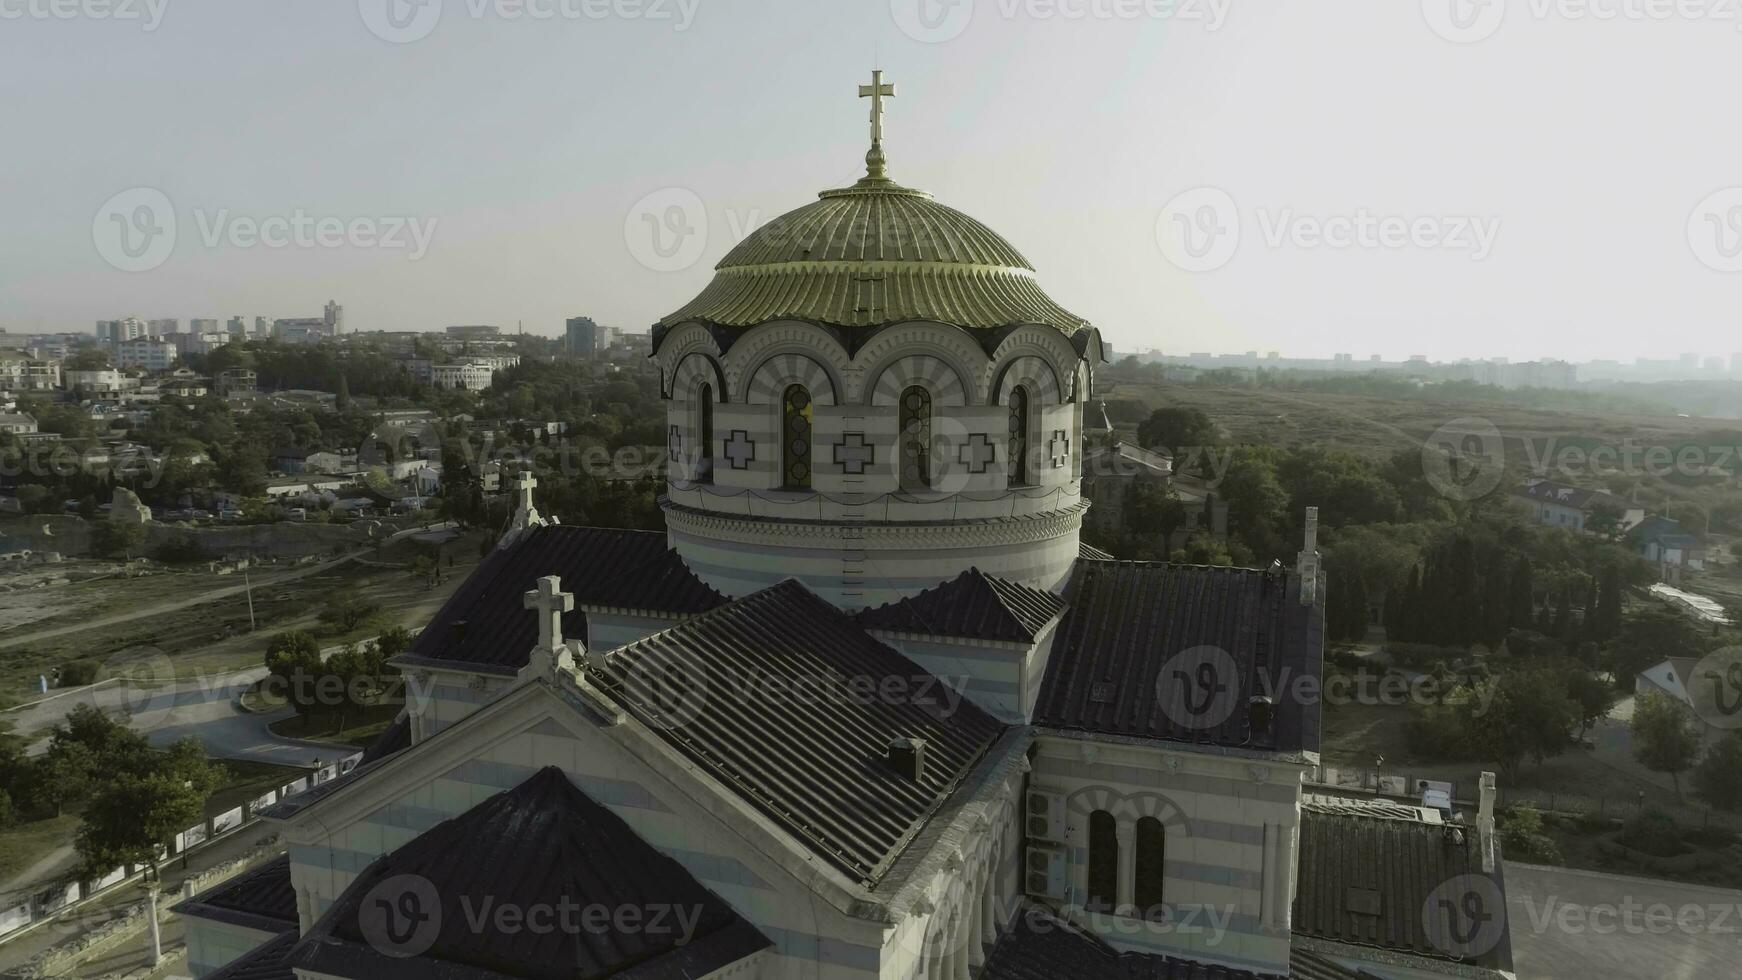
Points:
(1407, 786)
(18, 916)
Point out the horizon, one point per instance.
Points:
(1380, 168)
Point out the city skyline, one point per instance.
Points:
(1370, 200)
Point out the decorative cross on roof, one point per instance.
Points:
(524, 484)
(550, 602)
(877, 91)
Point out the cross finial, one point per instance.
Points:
(877, 91)
(525, 514)
(550, 602)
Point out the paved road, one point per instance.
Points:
(1583, 925)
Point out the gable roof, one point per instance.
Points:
(543, 844)
(261, 898)
(1549, 492)
(484, 626)
(1091, 553)
(271, 961)
(790, 703)
(1041, 947)
(973, 604)
(1113, 669)
(1373, 881)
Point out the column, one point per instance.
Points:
(1127, 896)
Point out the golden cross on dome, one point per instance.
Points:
(877, 91)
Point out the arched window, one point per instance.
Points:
(916, 439)
(1103, 862)
(1151, 861)
(705, 432)
(1018, 458)
(796, 407)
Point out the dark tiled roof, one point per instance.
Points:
(1367, 881)
(782, 697)
(269, 962)
(395, 738)
(484, 624)
(1129, 620)
(542, 845)
(261, 898)
(1040, 947)
(973, 604)
(1091, 553)
(1559, 493)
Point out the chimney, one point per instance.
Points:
(1485, 821)
(1308, 566)
(907, 757)
(1261, 711)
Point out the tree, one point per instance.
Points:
(137, 812)
(62, 777)
(1664, 736)
(116, 539)
(1607, 620)
(294, 660)
(1718, 777)
(1650, 636)
(346, 612)
(1591, 695)
(1528, 714)
(1176, 429)
(393, 641)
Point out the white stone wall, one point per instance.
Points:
(813, 940)
(1232, 839)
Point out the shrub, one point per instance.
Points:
(79, 673)
(1655, 833)
(1522, 837)
(183, 549)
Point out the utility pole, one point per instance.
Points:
(249, 588)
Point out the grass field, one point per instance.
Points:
(360, 729)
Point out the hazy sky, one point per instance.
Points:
(1528, 186)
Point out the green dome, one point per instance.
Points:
(870, 255)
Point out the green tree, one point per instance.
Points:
(294, 661)
(1528, 715)
(1176, 429)
(1651, 635)
(1592, 695)
(1665, 738)
(1718, 777)
(393, 641)
(135, 812)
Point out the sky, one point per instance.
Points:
(1452, 178)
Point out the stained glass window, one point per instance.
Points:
(915, 458)
(797, 407)
(1018, 458)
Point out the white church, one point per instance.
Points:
(868, 708)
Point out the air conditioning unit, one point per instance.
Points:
(1046, 816)
(1044, 874)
